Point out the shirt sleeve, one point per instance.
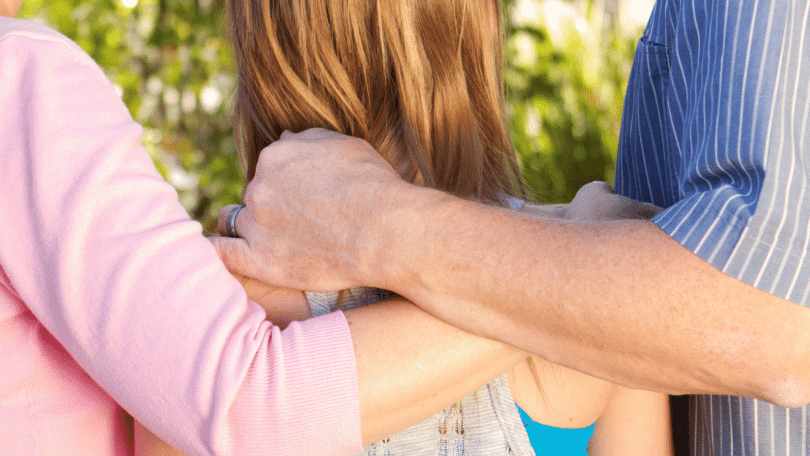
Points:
(96, 244)
(714, 130)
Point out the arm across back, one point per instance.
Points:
(617, 299)
(620, 300)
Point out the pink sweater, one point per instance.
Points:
(109, 293)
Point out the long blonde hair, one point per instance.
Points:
(419, 80)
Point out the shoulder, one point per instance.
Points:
(44, 74)
(36, 48)
(31, 34)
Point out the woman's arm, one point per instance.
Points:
(628, 422)
(402, 366)
(557, 396)
(413, 350)
(282, 305)
(416, 365)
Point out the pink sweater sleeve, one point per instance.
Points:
(98, 247)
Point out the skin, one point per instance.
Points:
(599, 296)
(416, 348)
(9, 8)
(245, 260)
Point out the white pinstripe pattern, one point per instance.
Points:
(715, 129)
(756, 430)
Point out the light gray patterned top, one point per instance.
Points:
(485, 423)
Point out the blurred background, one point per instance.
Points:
(567, 64)
(170, 60)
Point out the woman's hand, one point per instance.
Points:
(597, 201)
(282, 305)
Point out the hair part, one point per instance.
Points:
(419, 80)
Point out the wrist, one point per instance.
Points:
(396, 239)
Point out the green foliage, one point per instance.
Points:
(564, 98)
(171, 62)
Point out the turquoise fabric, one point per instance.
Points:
(551, 441)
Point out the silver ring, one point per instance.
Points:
(230, 222)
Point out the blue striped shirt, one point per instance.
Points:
(715, 129)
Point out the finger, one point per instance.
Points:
(222, 221)
(235, 253)
(600, 186)
(318, 133)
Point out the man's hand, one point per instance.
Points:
(307, 211)
(311, 208)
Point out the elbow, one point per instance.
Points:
(788, 393)
(778, 384)
(776, 373)
(786, 383)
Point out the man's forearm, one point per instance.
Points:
(618, 300)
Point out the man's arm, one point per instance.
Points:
(619, 300)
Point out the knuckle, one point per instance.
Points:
(254, 195)
(258, 203)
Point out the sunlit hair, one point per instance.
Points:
(419, 80)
